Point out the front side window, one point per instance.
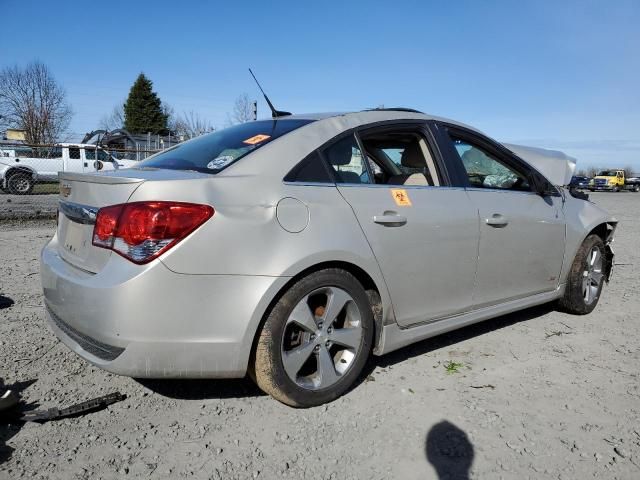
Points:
(400, 157)
(215, 151)
(347, 161)
(484, 170)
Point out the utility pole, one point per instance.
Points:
(255, 110)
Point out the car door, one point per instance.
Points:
(95, 159)
(424, 238)
(522, 233)
(74, 160)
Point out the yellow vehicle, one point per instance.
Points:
(614, 181)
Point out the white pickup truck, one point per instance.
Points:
(22, 167)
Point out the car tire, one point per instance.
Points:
(20, 183)
(586, 277)
(315, 340)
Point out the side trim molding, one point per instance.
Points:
(393, 337)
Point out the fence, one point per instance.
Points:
(29, 173)
(33, 169)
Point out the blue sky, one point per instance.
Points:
(556, 74)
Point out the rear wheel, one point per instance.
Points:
(586, 278)
(20, 183)
(316, 340)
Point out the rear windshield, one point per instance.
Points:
(213, 152)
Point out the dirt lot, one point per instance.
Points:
(38, 206)
(536, 394)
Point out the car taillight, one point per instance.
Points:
(140, 231)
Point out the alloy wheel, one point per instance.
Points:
(322, 338)
(19, 184)
(592, 276)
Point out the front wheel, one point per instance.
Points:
(586, 277)
(20, 183)
(316, 340)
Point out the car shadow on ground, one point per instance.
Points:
(202, 389)
(456, 336)
(450, 451)
(9, 423)
(5, 302)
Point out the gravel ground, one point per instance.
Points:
(20, 207)
(537, 394)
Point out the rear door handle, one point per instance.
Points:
(497, 220)
(390, 220)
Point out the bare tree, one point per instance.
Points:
(172, 119)
(242, 110)
(31, 99)
(191, 125)
(115, 119)
(592, 172)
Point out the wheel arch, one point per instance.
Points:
(584, 218)
(20, 169)
(605, 231)
(17, 169)
(373, 290)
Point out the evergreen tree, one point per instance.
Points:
(143, 110)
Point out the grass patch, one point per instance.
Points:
(45, 188)
(452, 367)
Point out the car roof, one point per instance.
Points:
(377, 115)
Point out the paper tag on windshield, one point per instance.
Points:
(219, 162)
(256, 139)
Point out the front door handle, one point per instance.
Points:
(497, 220)
(390, 220)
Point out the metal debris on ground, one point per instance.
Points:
(84, 407)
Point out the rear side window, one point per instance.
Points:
(347, 161)
(74, 153)
(215, 151)
(309, 170)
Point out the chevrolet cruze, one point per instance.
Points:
(291, 249)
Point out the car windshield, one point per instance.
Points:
(607, 173)
(215, 151)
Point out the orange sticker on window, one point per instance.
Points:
(401, 197)
(256, 139)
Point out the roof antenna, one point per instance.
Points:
(274, 113)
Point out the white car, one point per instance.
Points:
(21, 168)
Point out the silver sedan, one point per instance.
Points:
(291, 249)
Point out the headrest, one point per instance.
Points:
(412, 156)
(340, 153)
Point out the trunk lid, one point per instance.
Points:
(81, 196)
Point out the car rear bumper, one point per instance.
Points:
(151, 322)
